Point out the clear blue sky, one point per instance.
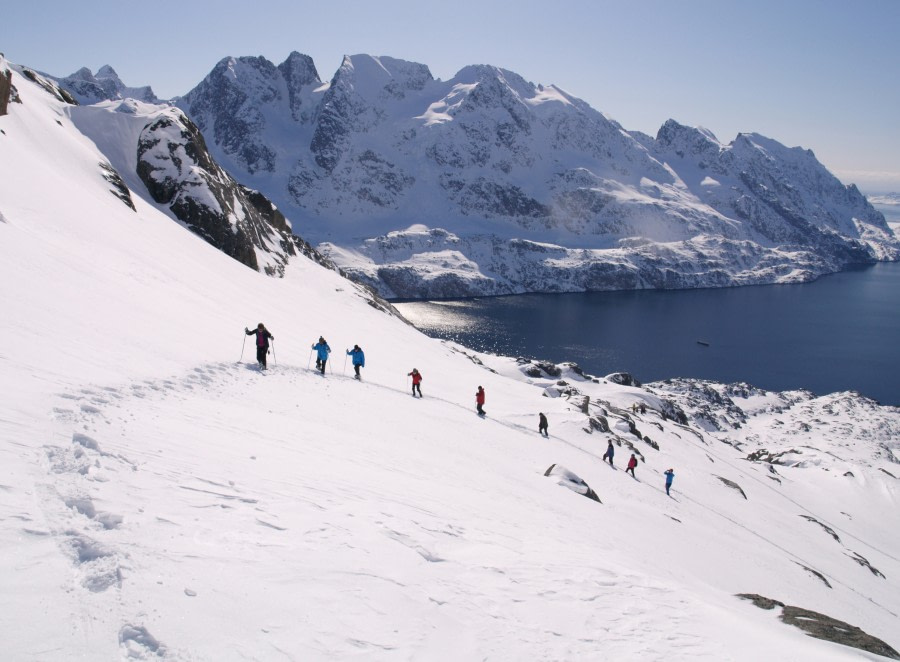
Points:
(822, 74)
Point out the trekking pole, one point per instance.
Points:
(309, 360)
(274, 360)
(243, 344)
(344, 373)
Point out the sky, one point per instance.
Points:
(821, 74)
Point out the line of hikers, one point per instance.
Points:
(632, 464)
(359, 361)
(322, 350)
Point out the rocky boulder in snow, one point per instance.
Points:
(824, 627)
(571, 481)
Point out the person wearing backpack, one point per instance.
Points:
(542, 424)
(632, 463)
(479, 401)
(322, 352)
(359, 359)
(610, 451)
(416, 382)
(262, 343)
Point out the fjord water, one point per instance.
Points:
(841, 332)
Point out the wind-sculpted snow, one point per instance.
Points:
(495, 159)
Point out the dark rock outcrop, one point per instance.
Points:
(118, 185)
(824, 627)
(623, 379)
(177, 169)
(49, 86)
(571, 481)
(732, 485)
(6, 88)
(825, 528)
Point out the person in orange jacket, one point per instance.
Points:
(479, 401)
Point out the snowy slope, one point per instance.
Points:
(164, 500)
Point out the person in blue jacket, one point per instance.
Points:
(610, 452)
(322, 352)
(359, 359)
(670, 476)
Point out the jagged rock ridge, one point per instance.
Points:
(489, 184)
(105, 85)
(519, 187)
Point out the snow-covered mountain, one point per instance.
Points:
(155, 151)
(489, 184)
(105, 85)
(892, 199)
(165, 500)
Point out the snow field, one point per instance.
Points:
(162, 500)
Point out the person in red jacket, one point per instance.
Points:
(632, 463)
(416, 382)
(479, 401)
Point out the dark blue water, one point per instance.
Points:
(841, 332)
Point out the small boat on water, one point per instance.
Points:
(703, 342)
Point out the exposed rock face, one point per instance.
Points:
(536, 190)
(732, 485)
(824, 627)
(177, 169)
(5, 86)
(236, 103)
(119, 189)
(624, 379)
(105, 85)
(48, 85)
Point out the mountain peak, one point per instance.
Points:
(299, 70)
(106, 71)
(369, 74)
(105, 85)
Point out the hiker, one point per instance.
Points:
(359, 359)
(610, 451)
(322, 352)
(542, 424)
(416, 382)
(632, 463)
(479, 401)
(262, 343)
(643, 408)
(670, 476)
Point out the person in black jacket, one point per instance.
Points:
(542, 424)
(262, 343)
